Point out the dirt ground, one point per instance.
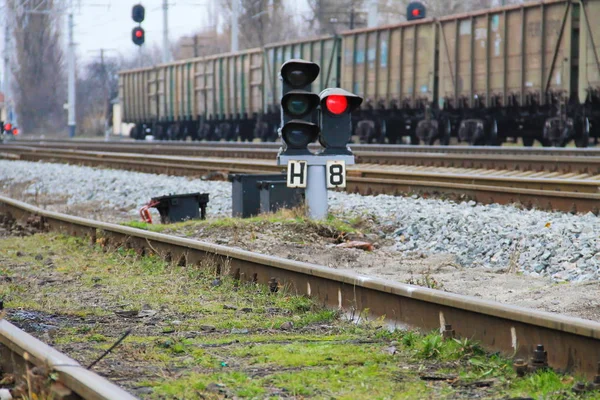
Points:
(313, 244)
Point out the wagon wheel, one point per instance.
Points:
(583, 140)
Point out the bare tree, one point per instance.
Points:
(97, 85)
(261, 22)
(200, 44)
(332, 16)
(39, 84)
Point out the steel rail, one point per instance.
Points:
(568, 151)
(573, 344)
(522, 161)
(570, 195)
(19, 351)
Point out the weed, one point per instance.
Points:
(430, 346)
(426, 280)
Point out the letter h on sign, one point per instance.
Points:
(296, 174)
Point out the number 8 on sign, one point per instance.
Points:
(336, 174)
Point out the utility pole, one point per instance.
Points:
(235, 16)
(373, 15)
(352, 16)
(6, 77)
(105, 90)
(71, 79)
(195, 45)
(166, 52)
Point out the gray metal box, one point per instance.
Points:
(275, 195)
(245, 193)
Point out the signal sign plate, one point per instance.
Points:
(297, 171)
(336, 174)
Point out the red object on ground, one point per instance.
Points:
(145, 212)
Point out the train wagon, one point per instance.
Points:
(138, 96)
(394, 68)
(589, 64)
(514, 72)
(228, 92)
(529, 71)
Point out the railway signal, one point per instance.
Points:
(415, 10)
(299, 106)
(336, 121)
(138, 35)
(307, 116)
(138, 13)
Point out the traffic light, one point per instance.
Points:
(299, 106)
(138, 13)
(8, 128)
(138, 35)
(15, 131)
(415, 10)
(336, 120)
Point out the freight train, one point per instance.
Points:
(529, 71)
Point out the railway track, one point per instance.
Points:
(20, 351)
(508, 158)
(572, 344)
(570, 192)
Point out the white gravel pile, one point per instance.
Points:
(563, 246)
(115, 188)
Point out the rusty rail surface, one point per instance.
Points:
(509, 158)
(573, 344)
(20, 351)
(549, 191)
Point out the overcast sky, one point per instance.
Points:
(107, 24)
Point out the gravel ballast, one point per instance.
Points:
(562, 246)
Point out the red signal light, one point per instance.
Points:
(15, 131)
(138, 33)
(336, 104)
(7, 127)
(416, 12)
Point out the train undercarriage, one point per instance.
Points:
(555, 123)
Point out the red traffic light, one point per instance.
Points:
(7, 127)
(415, 10)
(15, 131)
(336, 104)
(137, 36)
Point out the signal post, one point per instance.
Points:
(305, 118)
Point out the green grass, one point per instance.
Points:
(295, 217)
(323, 356)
